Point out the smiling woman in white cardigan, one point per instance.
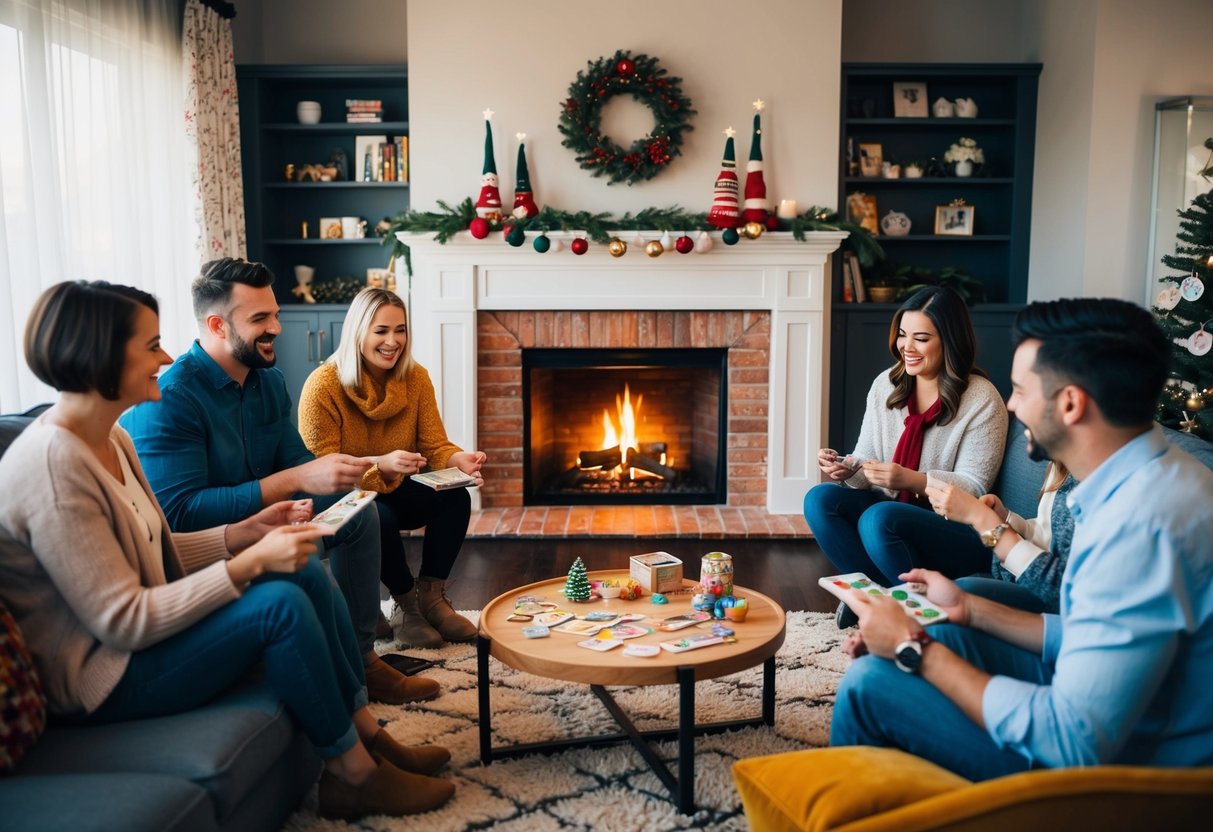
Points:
(933, 416)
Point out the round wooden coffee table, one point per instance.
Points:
(558, 657)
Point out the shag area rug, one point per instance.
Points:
(607, 788)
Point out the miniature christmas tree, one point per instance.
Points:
(724, 213)
(1184, 309)
(577, 587)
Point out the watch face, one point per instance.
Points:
(909, 657)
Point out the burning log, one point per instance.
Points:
(606, 458)
(647, 463)
(653, 449)
(571, 478)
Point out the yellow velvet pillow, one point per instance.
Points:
(826, 788)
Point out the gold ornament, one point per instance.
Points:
(653, 248)
(1195, 402)
(753, 230)
(1187, 424)
(617, 247)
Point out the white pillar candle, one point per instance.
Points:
(788, 209)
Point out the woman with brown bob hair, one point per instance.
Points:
(933, 417)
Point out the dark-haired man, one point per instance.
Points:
(220, 444)
(1122, 674)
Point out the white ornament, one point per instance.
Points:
(667, 242)
(1168, 298)
(637, 241)
(1199, 342)
(704, 244)
(1192, 288)
(557, 244)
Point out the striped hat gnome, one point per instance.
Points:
(524, 199)
(723, 213)
(756, 208)
(488, 206)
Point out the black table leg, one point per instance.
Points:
(768, 691)
(686, 740)
(482, 688)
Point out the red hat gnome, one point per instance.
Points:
(723, 213)
(524, 199)
(756, 208)
(488, 206)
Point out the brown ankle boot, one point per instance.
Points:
(433, 603)
(389, 791)
(416, 759)
(410, 626)
(385, 683)
(383, 629)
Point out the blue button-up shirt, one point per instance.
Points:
(1131, 651)
(208, 441)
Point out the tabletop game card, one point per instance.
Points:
(552, 618)
(444, 478)
(340, 512)
(912, 602)
(691, 643)
(600, 645)
(579, 628)
(686, 619)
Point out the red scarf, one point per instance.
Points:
(909, 446)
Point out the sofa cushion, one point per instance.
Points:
(1020, 478)
(22, 701)
(225, 746)
(104, 802)
(11, 425)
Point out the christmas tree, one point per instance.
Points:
(1184, 309)
(577, 587)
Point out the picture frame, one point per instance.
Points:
(861, 210)
(331, 228)
(377, 278)
(871, 157)
(910, 99)
(954, 220)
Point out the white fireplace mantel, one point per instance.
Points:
(451, 282)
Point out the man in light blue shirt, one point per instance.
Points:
(1123, 673)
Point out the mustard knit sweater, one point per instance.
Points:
(373, 419)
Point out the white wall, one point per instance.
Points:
(320, 32)
(491, 54)
(932, 31)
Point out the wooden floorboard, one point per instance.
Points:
(785, 570)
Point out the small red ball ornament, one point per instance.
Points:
(579, 245)
(479, 228)
(625, 68)
(684, 244)
(772, 223)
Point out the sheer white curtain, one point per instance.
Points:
(93, 176)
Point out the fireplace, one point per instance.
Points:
(624, 426)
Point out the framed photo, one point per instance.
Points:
(909, 99)
(377, 278)
(331, 229)
(871, 156)
(861, 210)
(954, 220)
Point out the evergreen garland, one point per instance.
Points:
(642, 78)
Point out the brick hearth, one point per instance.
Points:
(636, 521)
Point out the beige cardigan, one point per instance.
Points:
(79, 576)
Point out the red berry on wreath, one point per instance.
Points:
(579, 245)
(684, 244)
(479, 228)
(625, 68)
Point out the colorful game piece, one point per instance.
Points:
(658, 598)
(605, 634)
(721, 630)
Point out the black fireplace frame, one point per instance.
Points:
(573, 358)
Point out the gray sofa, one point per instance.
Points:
(239, 763)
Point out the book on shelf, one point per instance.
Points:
(363, 118)
(861, 291)
(402, 158)
(848, 286)
(367, 158)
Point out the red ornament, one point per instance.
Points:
(479, 228)
(772, 223)
(684, 244)
(625, 68)
(579, 245)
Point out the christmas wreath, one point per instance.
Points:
(642, 78)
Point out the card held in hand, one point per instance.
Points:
(444, 478)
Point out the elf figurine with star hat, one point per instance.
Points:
(723, 213)
(488, 205)
(524, 198)
(756, 209)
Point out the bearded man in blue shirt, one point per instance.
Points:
(1122, 674)
(220, 444)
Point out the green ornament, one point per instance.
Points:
(730, 236)
(516, 236)
(542, 243)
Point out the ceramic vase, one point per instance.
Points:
(964, 168)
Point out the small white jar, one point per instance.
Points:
(308, 112)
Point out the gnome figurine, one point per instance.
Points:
(524, 199)
(488, 205)
(723, 213)
(756, 208)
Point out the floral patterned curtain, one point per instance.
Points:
(212, 124)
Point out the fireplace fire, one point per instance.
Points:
(623, 426)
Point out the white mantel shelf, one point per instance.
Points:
(451, 282)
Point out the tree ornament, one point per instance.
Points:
(488, 204)
(515, 235)
(1188, 423)
(617, 247)
(684, 244)
(1199, 342)
(730, 236)
(1195, 402)
(723, 213)
(1168, 298)
(557, 245)
(756, 208)
(653, 248)
(577, 585)
(753, 230)
(579, 246)
(645, 80)
(1192, 288)
(542, 243)
(524, 199)
(704, 244)
(479, 228)
(667, 242)
(772, 223)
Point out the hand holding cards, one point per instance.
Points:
(910, 596)
(340, 512)
(444, 478)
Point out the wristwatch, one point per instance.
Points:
(990, 539)
(908, 655)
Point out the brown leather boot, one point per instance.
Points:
(389, 791)
(410, 626)
(432, 600)
(416, 759)
(383, 629)
(385, 683)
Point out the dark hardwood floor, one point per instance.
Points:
(785, 570)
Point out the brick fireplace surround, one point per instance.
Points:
(474, 305)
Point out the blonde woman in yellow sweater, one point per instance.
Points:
(371, 399)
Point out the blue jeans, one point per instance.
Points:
(297, 624)
(879, 705)
(1006, 593)
(864, 531)
(353, 555)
